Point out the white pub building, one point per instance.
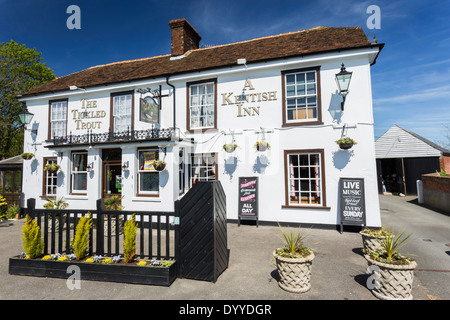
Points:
(106, 125)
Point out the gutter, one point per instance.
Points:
(174, 113)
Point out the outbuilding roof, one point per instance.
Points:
(292, 44)
(401, 143)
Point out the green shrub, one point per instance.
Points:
(113, 203)
(80, 241)
(129, 241)
(31, 238)
(55, 204)
(3, 208)
(12, 211)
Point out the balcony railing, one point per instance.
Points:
(89, 138)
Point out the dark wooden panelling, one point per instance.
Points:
(203, 232)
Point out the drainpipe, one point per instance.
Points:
(174, 118)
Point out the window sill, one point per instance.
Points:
(305, 123)
(47, 197)
(305, 207)
(81, 196)
(197, 130)
(146, 198)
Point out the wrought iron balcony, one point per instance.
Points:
(89, 138)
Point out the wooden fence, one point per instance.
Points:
(156, 236)
(195, 234)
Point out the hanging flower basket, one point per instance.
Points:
(346, 143)
(159, 165)
(262, 145)
(27, 156)
(51, 168)
(230, 147)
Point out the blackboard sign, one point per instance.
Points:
(352, 198)
(248, 199)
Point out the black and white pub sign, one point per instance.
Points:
(352, 199)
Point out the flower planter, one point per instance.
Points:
(262, 146)
(123, 273)
(27, 156)
(345, 145)
(229, 148)
(295, 274)
(392, 282)
(159, 166)
(371, 242)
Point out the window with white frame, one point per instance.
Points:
(58, 118)
(79, 172)
(203, 168)
(202, 105)
(50, 179)
(148, 177)
(122, 110)
(301, 96)
(304, 178)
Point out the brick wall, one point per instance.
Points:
(436, 191)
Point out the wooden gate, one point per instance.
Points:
(203, 252)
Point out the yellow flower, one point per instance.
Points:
(142, 263)
(107, 260)
(90, 260)
(47, 257)
(62, 258)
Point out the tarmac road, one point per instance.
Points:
(338, 271)
(429, 244)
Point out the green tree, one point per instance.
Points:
(21, 70)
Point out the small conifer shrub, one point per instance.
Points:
(31, 238)
(129, 242)
(80, 241)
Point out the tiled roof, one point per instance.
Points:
(305, 42)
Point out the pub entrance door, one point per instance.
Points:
(111, 173)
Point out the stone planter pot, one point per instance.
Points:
(371, 242)
(392, 282)
(295, 274)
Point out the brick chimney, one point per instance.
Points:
(184, 37)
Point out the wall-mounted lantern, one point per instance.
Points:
(25, 118)
(90, 167)
(125, 166)
(343, 81)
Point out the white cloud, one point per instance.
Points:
(427, 94)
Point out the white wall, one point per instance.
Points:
(268, 166)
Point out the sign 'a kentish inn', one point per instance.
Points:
(245, 101)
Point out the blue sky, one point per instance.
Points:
(410, 81)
